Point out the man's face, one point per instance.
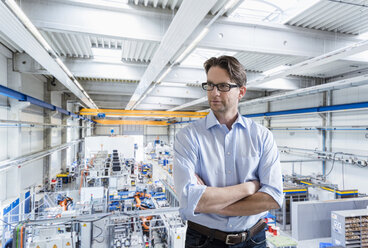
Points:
(223, 102)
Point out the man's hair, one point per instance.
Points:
(231, 65)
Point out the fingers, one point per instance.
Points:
(257, 185)
(252, 187)
(199, 180)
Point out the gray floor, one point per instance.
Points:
(312, 243)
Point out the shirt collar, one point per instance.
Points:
(211, 120)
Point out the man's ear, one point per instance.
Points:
(242, 91)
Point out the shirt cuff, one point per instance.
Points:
(195, 193)
(277, 195)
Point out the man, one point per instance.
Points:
(226, 167)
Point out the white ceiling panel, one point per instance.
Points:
(348, 16)
(260, 62)
(175, 4)
(69, 45)
(333, 69)
(164, 4)
(138, 51)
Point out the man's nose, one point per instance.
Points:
(215, 91)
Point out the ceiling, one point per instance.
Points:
(128, 54)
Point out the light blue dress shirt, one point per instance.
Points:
(224, 158)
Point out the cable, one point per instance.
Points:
(95, 238)
(333, 163)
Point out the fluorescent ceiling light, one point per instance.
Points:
(192, 45)
(65, 69)
(363, 36)
(107, 54)
(230, 4)
(20, 14)
(164, 74)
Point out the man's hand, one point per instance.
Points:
(199, 180)
(252, 187)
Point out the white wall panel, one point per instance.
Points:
(299, 139)
(31, 174)
(3, 109)
(253, 109)
(2, 186)
(349, 177)
(32, 86)
(156, 130)
(350, 95)
(296, 121)
(55, 163)
(350, 142)
(124, 144)
(101, 130)
(350, 118)
(310, 101)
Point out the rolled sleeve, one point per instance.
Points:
(269, 170)
(185, 181)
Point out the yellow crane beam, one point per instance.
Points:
(142, 113)
(132, 122)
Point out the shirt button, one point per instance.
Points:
(228, 153)
(228, 172)
(230, 225)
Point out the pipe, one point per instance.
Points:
(26, 98)
(318, 129)
(33, 124)
(340, 107)
(7, 164)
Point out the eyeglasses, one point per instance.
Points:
(223, 87)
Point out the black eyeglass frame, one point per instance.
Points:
(230, 86)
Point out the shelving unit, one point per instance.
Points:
(350, 228)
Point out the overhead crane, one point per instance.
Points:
(138, 113)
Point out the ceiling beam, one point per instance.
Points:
(178, 32)
(17, 33)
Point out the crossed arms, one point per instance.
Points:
(237, 200)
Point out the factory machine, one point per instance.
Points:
(114, 202)
(304, 188)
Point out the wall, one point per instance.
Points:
(120, 130)
(347, 177)
(3, 130)
(22, 140)
(150, 133)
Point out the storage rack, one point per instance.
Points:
(349, 228)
